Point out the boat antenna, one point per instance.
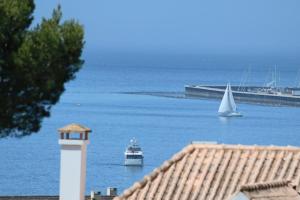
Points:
(275, 77)
(279, 78)
(244, 79)
(269, 73)
(248, 78)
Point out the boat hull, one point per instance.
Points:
(233, 114)
(217, 92)
(134, 162)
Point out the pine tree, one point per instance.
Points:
(35, 63)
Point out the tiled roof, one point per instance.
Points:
(74, 128)
(216, 171)
(277, 190)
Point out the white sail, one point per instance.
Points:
(231, 99)
(225, 106)
(228, 107)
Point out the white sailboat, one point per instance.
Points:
(228, 107)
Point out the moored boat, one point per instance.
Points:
(134, 154)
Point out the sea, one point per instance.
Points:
(116, 96)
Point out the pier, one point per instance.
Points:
(287, 96)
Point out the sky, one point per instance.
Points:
(185, 26)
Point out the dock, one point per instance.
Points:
(287, 96)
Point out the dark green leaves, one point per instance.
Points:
(34, 65)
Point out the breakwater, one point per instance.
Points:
(248, 94)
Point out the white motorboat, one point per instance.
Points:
(134, 154)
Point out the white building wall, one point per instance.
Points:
(72, 169)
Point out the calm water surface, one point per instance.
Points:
(163, 126)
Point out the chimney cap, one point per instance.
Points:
(74, 128)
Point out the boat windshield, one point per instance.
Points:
(134, 156)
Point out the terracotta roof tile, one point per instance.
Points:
(74, 128)
(216, 171)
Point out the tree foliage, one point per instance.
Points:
(35, 63)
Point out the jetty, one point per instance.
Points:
(283, 96)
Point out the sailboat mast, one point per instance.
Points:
(275, 77)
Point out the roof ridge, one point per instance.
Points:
(241, 146)
(265, 185)
(165, 166)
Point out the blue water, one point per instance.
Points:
(163, 126)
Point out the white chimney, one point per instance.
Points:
(73, 140)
